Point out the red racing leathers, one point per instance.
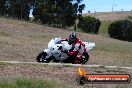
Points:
(77, 50)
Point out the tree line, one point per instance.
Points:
(19, 9)
(59, 13)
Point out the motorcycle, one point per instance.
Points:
(54, 52)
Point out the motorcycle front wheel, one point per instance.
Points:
(41, 58)
(85, 58)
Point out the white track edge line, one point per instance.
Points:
(65, 64)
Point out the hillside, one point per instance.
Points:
(110, 16)
(22, 41)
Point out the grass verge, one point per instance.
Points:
(104, 27)
(30, 83)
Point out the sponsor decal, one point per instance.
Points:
(83, 78)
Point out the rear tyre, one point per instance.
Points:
(85, 58)
(41, 58)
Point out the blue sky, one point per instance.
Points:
(106, 5)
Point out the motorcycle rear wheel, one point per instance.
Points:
(41, 58)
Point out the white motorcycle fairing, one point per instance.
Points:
(48, 53)
(56, 45)
(53, 49)
(89, 45)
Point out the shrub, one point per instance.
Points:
(89, 24)
(130, 17)
(121, 29)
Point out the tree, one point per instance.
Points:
(59, 13)
(16, 8)
(121, 29)
(2, 7)
(89, 24)
(81, 7)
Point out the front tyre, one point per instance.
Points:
(85, 58)
(41, 58)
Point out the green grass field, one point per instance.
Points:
(104, 27)
(30, 83)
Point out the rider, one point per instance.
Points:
(78, 47)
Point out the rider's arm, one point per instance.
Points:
(75, 50)
(79, 47)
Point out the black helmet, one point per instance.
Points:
(72, 37)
